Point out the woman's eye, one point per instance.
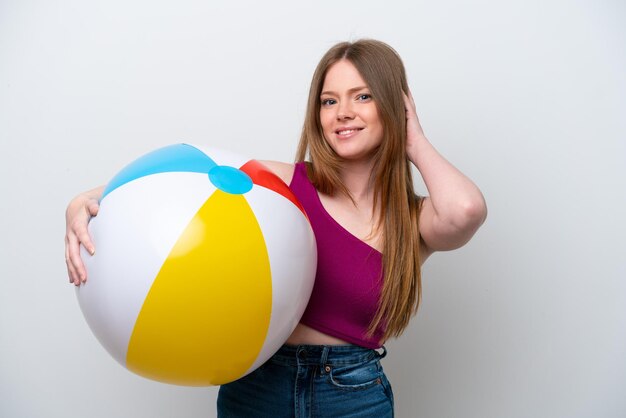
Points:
(364, 96)
(328, 102)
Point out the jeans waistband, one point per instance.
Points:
(332, 355)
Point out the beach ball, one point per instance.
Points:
(204, 264)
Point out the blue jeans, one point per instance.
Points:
(311, 381)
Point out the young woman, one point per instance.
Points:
(352, 175)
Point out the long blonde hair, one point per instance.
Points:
(383, 71)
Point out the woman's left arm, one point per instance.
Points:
(455, 207)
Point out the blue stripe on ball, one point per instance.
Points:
(178, 157)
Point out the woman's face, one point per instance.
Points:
(348, 114)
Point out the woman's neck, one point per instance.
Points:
(356, 176)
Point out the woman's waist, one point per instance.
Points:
(324, 355)
(305, 335)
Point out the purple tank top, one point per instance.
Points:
(348, 280)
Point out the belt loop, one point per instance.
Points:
(324, 356)
(301, 354)
(383, 354)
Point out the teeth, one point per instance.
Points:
(346, 132)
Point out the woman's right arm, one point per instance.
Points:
(77, 216)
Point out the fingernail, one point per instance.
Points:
(92, 251)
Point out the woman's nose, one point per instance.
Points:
(345, 111)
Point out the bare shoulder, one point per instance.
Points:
(282, 170)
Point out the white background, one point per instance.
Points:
(527, 97)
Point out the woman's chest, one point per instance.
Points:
(358, 221)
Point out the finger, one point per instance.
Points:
(70, 269)
(93, 207)
(410, 96)
(85, 239)
(407, 104)
(75, 259)
(409, 107)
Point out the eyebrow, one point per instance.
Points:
(352, 90)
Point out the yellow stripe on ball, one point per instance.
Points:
(206, 316)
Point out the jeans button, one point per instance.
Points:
(302, 354)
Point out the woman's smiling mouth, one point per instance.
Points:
(347, 132)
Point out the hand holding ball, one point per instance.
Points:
(205, 263)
